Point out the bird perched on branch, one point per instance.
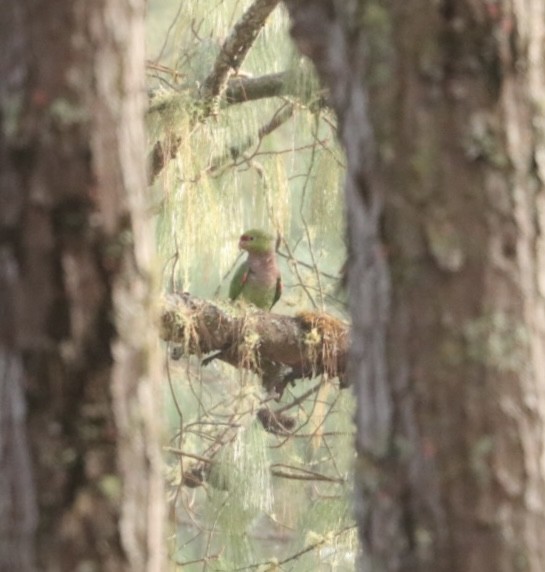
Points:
(257, 280)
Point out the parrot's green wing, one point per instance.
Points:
(238, 280)
(277, 292)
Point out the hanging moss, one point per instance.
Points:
(223, 174)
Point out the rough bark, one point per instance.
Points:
(74, 256)
(17, 495)
(451, 395)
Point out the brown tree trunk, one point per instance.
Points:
(74, 258)
(448, 353)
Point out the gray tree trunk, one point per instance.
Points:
(441, 114)
(80, 474)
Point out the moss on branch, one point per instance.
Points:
(279, 348)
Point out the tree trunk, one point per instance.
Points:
(74, 262)
(448, 354)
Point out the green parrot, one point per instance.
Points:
(257, 280)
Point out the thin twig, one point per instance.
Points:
(190, 455)
(305, 550)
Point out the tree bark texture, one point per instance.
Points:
(440, 108)
(74, 258)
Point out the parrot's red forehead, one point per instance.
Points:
(246, 237)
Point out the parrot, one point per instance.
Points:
(257, 280)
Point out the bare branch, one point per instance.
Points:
(240, 89)
(235, 49)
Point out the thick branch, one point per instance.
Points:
(240, 89)
(309, 344)
(235, 48)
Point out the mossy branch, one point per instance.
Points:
(239, 90)
(279, 348)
